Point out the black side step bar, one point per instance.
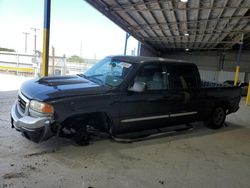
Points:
(146, 136)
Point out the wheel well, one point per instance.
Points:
(98, 120)
(224, 104)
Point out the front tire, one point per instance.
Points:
(217, 118)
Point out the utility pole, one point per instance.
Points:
(81, 49)
(26, 38)
(53, 60)
(35, 30)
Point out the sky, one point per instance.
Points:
(76, 28)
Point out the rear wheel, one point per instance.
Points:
(217, 118)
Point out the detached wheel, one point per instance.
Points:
(217, 118)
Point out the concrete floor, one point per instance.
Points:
(197, 158)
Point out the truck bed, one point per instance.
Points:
(214, 91)
(205, 84)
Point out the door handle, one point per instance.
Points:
(155, 100)
(169, 98)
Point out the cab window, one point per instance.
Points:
(181, 77)
(153, 76)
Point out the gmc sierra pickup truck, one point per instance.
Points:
(121, 94)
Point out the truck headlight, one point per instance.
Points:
(41, 107)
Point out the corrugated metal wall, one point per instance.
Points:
(225, 75)
(219, 76)
(209, 75)
(215, 66)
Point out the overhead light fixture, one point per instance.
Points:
(186, 34)
(184, 1)
(186, 49)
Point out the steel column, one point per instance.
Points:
(46, 32)
(236, 78)
(126, 43)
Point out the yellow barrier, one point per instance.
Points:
(236, 75)
(20, 69)
(248, 95)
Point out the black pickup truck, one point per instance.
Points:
(121, 94)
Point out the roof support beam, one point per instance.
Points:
(133, 5)
(167, 38)
(211, 31)
(175, 25)
(237, 37)
(219, 42)
(130, 9)
(188, 22)
(208, 16)
(230, 23)
(104, 8)
(164, 23)
(196, 25)
(154, 18)
(183, 27)
(166, 27)
(193, 48)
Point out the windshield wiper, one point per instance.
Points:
(95, 75)
(96, 80)
(82, 75)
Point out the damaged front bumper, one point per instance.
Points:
(36, 129)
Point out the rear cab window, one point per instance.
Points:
(181, 76)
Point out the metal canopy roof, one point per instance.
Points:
(171, 24)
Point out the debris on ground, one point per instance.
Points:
(14, 175)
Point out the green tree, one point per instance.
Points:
(7, 50)
(75, 59)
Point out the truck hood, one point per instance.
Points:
(49, 88)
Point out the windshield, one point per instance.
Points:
(109, 72)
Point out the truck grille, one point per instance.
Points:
(21, 103)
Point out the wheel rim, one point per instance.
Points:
(218, 115)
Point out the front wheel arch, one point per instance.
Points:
(98, 120)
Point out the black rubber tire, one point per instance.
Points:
(81, 137)
(217, 118)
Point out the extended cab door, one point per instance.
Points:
(182, 92)
(146, 109)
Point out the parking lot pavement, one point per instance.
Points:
(11, 82)
(197, 158)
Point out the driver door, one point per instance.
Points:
(146, 109)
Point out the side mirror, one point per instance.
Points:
(138, 87)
